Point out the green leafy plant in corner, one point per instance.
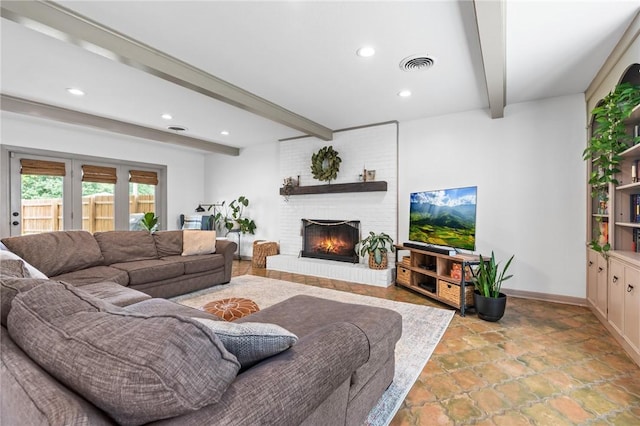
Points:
(489, 278)
(375, 245)
(232, 216)
(608, 140)
(149, 221)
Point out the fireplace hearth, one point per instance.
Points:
(330, 239)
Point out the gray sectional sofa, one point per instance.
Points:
(150, 263)
(101, 354)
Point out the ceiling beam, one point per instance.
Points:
(490, 19)
(52, 112)
(71, 27)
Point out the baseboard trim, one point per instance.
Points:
(567, 300)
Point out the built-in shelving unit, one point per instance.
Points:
(336, 188)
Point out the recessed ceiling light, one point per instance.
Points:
(166, 116)
(224, 132)
(75, 91)
(366, 51)
(404, 93)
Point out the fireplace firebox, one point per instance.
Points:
(330, 239)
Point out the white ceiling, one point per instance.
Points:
(301, 56)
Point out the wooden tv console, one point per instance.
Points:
(438, 276)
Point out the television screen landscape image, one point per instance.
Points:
(445, 217)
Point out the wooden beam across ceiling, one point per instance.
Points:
(490, 19)
(64, 115)
(92, 36)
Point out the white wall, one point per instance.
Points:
(253, 174)
(185, 167)
(530, 178)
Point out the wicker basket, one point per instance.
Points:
(262, 249)
(372, 262)
(451, 293)
(403, 275)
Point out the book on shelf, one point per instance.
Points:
(635, 243)
(604, 233)
(634, 215)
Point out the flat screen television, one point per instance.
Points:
(444, 217)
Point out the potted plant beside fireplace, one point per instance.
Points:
(377, 246)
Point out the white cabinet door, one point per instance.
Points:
(632, 307)
(615, 300)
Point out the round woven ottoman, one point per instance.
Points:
(232, 308)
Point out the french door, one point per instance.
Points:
(54, 193)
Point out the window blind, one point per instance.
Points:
(144, 177)
(99, 174)
(40, 167)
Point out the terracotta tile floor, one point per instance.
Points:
(541, 364)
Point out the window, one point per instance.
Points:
(58, 191)
(142, 195)
(42, 189)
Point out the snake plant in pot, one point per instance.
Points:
(489, 301)
(376, 246)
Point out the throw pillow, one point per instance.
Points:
(251, 342)
(198, 242)
(192, 222)
(137, 368)
(10, 287)
(33, 272)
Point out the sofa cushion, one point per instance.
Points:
(198, 263)
(95, 274)
(115, 293)
(10, 287)
(137, 368)
(13, 268)
(145, 271)
(126, 246)
(168, 243)
(5, 254)
(55, 253)
(251, 342)
(198, 242)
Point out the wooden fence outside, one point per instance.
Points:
(45, 215)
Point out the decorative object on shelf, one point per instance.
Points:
(288, 185)
(325, 164)
(149, 222)
(231, 217)
(377, 246)
(608, 140)
(489, 301)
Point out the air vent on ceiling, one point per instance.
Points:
(417, 63)
(177, 128)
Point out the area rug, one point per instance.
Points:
(422, 328)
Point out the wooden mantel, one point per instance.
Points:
(336, 188)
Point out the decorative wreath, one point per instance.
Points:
(325, 164)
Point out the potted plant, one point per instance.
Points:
(489, 301)
(232, 217)
(376, 246)
(149, 222)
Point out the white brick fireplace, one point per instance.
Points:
(373, 148)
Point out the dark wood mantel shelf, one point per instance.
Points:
(336, 188)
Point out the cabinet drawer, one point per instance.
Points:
(451, 293)
(403, 275)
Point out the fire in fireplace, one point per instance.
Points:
(330, 239)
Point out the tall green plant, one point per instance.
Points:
(489, 277)
(608, 140)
